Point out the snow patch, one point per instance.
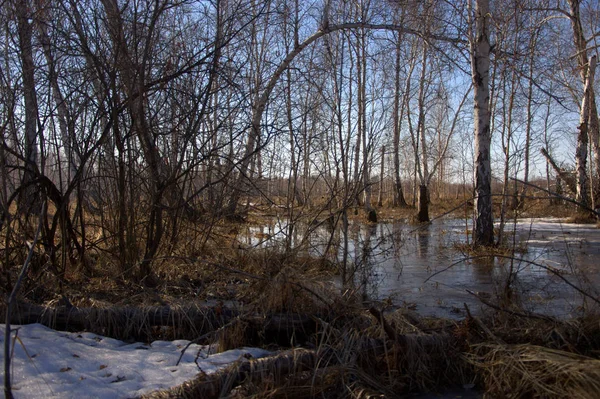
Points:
(53, 364)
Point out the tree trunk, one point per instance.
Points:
(29, 201)
(419, 140)
(594, 134)
(64, 118)
(588, 123)
(423, 204)
(581, 153)
(399, 199)
(184, 322)
(507, 132)
(561, 173)
(381, 177)
(293, 192)
(362, 126)
(529, 120)
(483, 233)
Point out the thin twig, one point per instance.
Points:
(246, 274)
(556, 273)
(11, 299)
(579, 204)
(483, 327)
(202, 337)
(549, 269)
(527, 315)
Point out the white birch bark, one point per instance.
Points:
(483, 232)
(582, 137)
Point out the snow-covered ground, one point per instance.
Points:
(543, 231)
(54, 364)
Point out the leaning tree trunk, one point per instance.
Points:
(483, 233)
(564, 176)
(260, 106)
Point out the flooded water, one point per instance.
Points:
(423, 268)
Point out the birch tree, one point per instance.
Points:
(588, 123)
(483, 231)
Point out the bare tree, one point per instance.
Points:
(483, 232)
(398, 115)
(29, 194)
(589, 125)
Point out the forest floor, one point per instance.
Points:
(323, 342)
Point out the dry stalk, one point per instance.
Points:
(516, 371)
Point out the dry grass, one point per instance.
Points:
(517, 371)
(359, 358)
(582, 218)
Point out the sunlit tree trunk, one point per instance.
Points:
(381, 177)
(483, 232)
(588, 127)
(582, 137)
(422, 161)
(362, 126)
(530, 115)
(293, 192)
(397, 116)
(506, 139)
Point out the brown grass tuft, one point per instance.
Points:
(516, 371)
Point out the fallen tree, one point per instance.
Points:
(148, 323)
(565, 176)
(123, 322)
(366, 352)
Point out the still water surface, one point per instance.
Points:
(423, 267)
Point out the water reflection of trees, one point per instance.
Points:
(423, 241)
(398, 259)
(369, 247)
